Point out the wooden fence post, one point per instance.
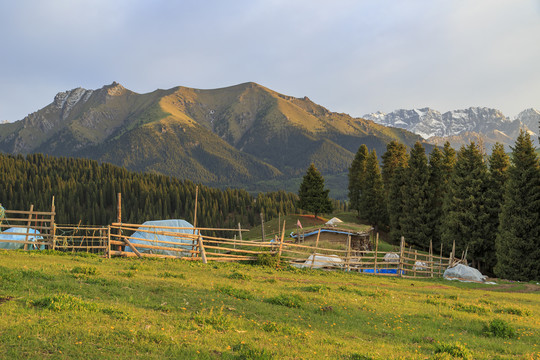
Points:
(415, 258)
(315, 251)
(431, 257)
(262, 226)
(440, 262)
(109, 241)
(348, 252)
(401, 252)
(201, 249)
(28, 224)
(54, 236)
(376, 251)
(281, 241)
(119, 217)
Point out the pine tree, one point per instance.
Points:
(414, 219)
(518, 239)
(437, 191)
(395, 202)
(499, 162)
(394, 157)
(466, 218)
(372, 200)
(449, 161)
(313, 197)
(356, 177)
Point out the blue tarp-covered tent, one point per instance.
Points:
(152, 235)
(19, 234)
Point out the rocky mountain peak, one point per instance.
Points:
(65, 101)
(115, 89)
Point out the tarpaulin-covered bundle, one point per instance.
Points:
(317, 261)
(153, 235)
(19, 234)
(464, 273)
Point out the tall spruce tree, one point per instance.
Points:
(395, 202)
(437, 191)
(394, 157)
(449, 161)
(313, 197)
(466, 218)
(356, 177)
(372, 200)
(499, 162)
(414, 220)
(518, 240)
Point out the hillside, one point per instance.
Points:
(60, 305)
(236, 135)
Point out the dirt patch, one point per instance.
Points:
(5, 299)
(516, 288)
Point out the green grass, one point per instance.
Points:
(72, 307)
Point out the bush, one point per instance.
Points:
(499, 328)
(514, 311)
(455, 350)
(289, 300)
(270, 260)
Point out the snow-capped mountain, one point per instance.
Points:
(459, 126)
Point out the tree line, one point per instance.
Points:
(85, 192)
(488, 205)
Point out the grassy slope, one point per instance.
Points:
(126, 308)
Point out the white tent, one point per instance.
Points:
(153, 235)
(19, 234)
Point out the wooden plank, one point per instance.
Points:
(26, 212)
(202, 250)
(132, 247)
(136, 226)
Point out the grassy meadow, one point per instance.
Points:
(65, 306)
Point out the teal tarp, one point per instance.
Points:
(20, 235)
(152, 238)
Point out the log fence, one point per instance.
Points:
(157, 241)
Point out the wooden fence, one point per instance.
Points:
(35, 226)
(139, 240)
(168, 242)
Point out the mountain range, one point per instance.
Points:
(232, 136)
(479, 124)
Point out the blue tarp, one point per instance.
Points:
(148, 238)
(19, 236)
(381, 271)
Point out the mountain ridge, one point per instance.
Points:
(234, 135)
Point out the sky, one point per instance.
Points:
(354, 57)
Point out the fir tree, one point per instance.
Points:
(312, 195)
(499, 162)
(466, 219)
(356, 177)
(449, 161)
(394, 157)
(437, 191)
(518, 240)
(395, 202)
(372, 200)
(414, 219)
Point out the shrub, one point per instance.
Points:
(267, 259)
(499, 328)
(289, 300)
(455, 350)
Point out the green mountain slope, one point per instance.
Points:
(231, 136)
